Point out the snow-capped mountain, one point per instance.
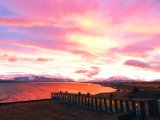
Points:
(116, 79)
(35, 78)
(119, 79)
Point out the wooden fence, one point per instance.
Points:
(140, 107)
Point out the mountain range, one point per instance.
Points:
(116, 79)
(35, 78)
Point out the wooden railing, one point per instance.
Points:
(140, 107)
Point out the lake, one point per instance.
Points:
(12, 92)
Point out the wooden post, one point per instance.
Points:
(127, 105)
(143, 109)
(57, 96)
(115, 106)
(51, 96)
(64, 95)
(60, 96)
(105, 105)
(79, 98)
(153, 108)
(65, 100)
(121, 106)
(134, 107)
(70, 99)
(85, 101)
(92, 104)
(75, 99)
(82, 97)
(100, 104)
(88, 96)
(110, 105)
(96, 106)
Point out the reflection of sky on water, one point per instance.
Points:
(28, 91)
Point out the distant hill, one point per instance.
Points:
(116, 79)
(35, 78)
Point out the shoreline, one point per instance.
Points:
(133, 89)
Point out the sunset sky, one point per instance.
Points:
(80, 39)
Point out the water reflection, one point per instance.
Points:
(41, 90)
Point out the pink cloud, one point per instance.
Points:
(83, 53)
(59, 8)
(81, 71)
(12, 59)
(141, 48)
(89, 73)
(8, 58)
(95, 67)
(16, 21)
(92, 73)
(136, 63)
(153, 65)
(42, 59)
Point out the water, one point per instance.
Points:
(12, 92)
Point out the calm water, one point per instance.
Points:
(10, 92)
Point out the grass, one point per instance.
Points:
(47, 110)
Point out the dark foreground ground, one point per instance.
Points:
(47, 110)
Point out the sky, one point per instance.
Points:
(80, 39)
